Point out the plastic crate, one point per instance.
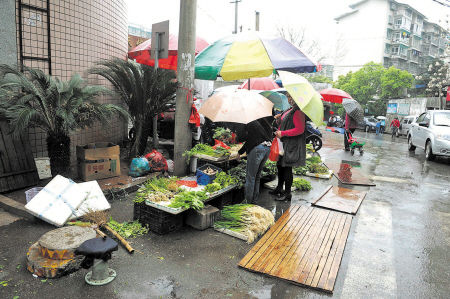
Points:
(158, 221)
(205, 179)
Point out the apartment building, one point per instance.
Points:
(391, 33)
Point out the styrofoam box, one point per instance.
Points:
(95, 201)
(59, 199)
(43, 167)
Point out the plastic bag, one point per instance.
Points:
(274, 151)
(156, 161)
(280, 147)
(139, 167)
(220, 143)
(194, 118)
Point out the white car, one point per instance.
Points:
(406, 123)
(431, 131)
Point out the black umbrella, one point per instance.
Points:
(353, 109)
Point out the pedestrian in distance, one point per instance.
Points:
(383, 126)
(395, 125)
(257, 137)
(350, 126)
(291, 132)
(378, 127)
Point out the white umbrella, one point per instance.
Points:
(240, 106)
(381, 117)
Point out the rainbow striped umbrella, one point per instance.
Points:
(250, 55)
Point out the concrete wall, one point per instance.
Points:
(8, 47)
(364, 34)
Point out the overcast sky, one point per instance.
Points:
(215, 18)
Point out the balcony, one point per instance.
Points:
(404, 41)
(413, 58)
(435, 41)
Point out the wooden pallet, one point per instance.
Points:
(341, 199)
(17, 166)
(305, 247)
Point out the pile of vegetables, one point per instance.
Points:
(270, 168)
(210, 171)
(222, 134)
(207, 150)
(213, 187)
(189, 199)
(313, 165)
(225, 179)
(249, 220)
(157, 190)
(128, 229)
(239, 173)
(302, 184)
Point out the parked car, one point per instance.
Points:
(369, 124)
(406, 123)
(431, 132)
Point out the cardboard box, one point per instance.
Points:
(98, 161)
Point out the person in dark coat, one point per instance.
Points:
(257, 137)
(291, 132)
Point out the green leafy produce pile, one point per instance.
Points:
(302, 184)
(249, 220)
(158, 187)
(207, 150)
(128, 229)
(222, 134)
(213, 187)
(225, 179)
(313, 165)
(239, 172)
(189, 199)
(309, 147)
(270, 168)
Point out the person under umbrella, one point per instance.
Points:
(291, 132)
(257, 138)
(350, 126)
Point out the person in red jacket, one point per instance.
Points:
(395, 125)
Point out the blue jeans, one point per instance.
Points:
(255, 163)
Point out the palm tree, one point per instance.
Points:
(35, 99)
(144, 90)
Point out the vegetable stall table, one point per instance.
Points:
(163, 219)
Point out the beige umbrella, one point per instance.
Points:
(240, 106)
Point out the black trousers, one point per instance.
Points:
(285, 177)
(346, 137)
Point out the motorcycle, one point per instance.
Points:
(313, 136)
(335, 121)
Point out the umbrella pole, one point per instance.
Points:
(248, 83)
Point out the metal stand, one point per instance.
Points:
(100, 274)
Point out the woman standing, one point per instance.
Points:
(291, 132)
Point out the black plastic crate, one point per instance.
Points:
(158, 221)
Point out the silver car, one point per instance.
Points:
(406, 124)
(431, 131)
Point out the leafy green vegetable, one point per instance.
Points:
(302, 184)
(318, 168)
(207, 150)
(239, 173)
(270, 168)
(222, 134)
(128, 229)
(189, 199)
(225, 179)
(301, 170)
(213, 187)
(156, 185)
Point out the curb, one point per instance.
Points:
(13, 207)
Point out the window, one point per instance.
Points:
(398, 22)
(421, 117)
(408, 13)
(394, 50)
(405, 121)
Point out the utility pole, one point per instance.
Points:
(236, 15)
(257, 21)
(185, 78)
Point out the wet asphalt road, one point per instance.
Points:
(398, 246)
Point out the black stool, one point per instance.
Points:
(97, 252)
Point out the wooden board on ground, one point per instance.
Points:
(341, 199)
(17, 166)
(347, 174)
(304, 247)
